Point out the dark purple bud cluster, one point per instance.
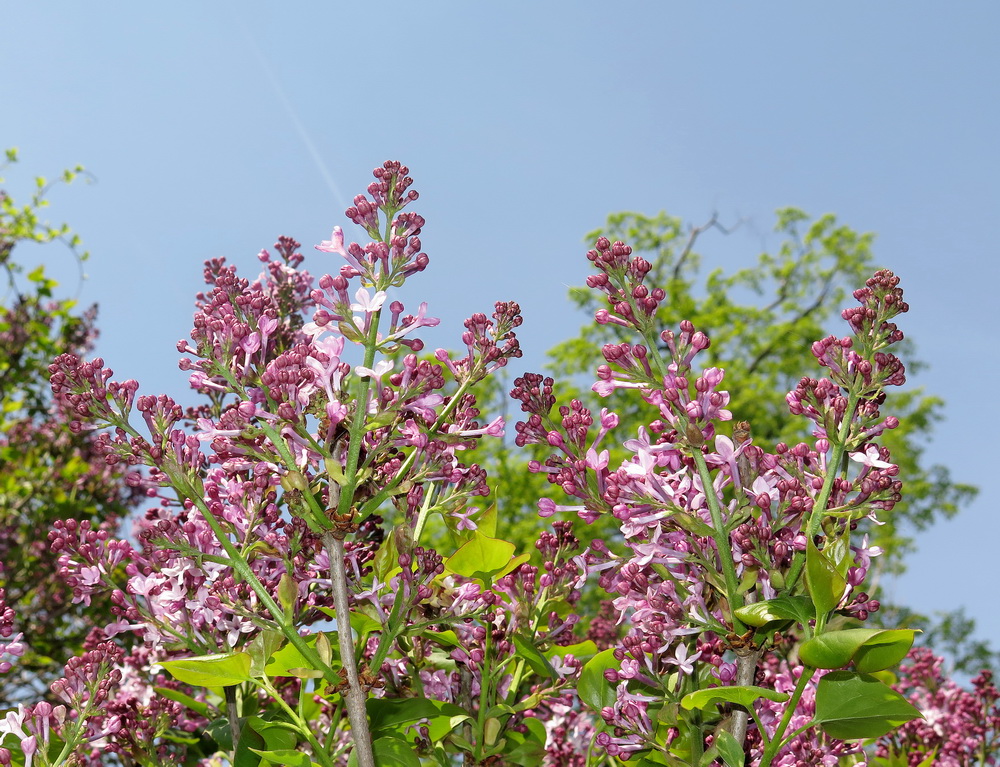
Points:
(491, 344)
(90, 677)
(10, 643)
(85, 390)
(389, 261)
(621, 278)
(959, 725)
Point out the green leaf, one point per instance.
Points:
(692, 524)
(838, 552)
(538, 662)
(593, 689)
(487, 522)
(884, 650)
(285, 756)
(524, 750)
(261, 648)
(742, 696)
(219, 731)
(826, 585)
(288, 594)
(386, 558)
(729, 749)
(447, 637)
(450, 717)
(219, 670)
(185, 700)
(799, 609)
(869, 649)
(851, 706)
(362, 624)
(387, 713)
(276, 736)
(288, 661)
(484, 559)
(497, 710)
(581, 650)
(250, 740)
(389, 752)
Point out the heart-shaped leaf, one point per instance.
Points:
(851, 706)
(593, 689)
(484, 559)
(869, 649)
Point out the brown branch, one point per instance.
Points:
(694, 234)
(797, 318)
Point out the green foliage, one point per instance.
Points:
(742, 696)
(485, 559)
(594, 690)
(869, 650)
(850, 706)
(46, 471)
(216, 670)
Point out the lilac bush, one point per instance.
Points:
(718, 540)
(319, 579)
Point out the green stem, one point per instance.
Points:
(301, 726)
(388, 635)
(243, 569)
(722, 542)
(793, 702)
(819, 507)
(357, 430)
(697, 737)
(484, 684)
(374, 502)
(422, 515)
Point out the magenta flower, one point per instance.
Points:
(463, 517)
(335, 244)
(683, 661)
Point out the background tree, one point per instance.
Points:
(47, 470)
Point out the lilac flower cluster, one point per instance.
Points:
(12, 645)
(705, 530)
(328, 447)
(293, 442)
(959, 726)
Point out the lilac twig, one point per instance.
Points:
(354, 696)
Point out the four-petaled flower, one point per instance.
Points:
(683, 661)
(870, 458)
(463, 517)
(369, 304)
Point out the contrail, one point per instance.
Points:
(290, 111)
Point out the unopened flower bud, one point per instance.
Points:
(694, 435)
(295, 480)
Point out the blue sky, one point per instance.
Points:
(212, 128)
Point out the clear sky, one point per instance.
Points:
(214, 127)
